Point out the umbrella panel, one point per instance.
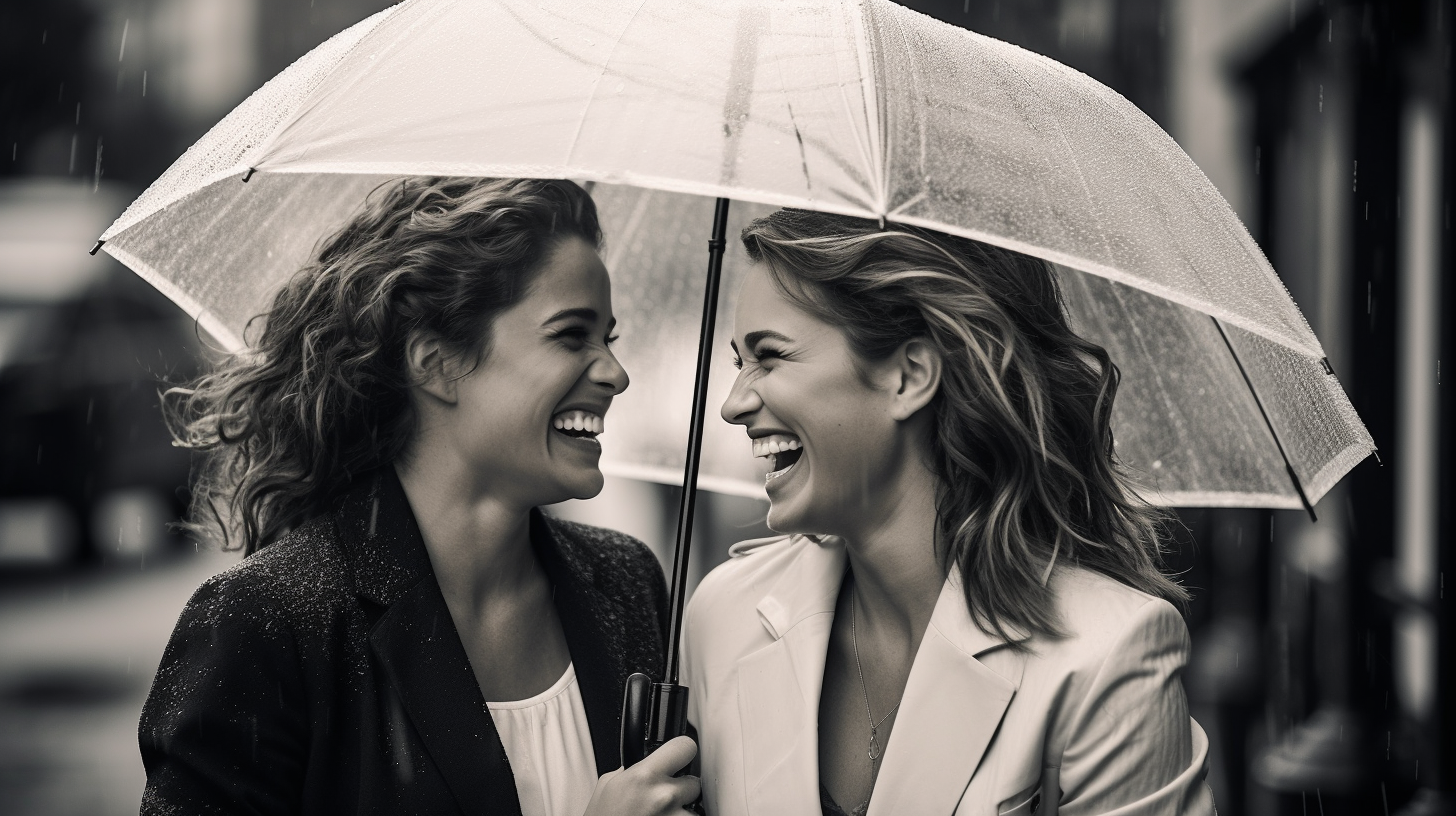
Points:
(1186, 423)
(865, 108)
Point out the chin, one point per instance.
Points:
(585, 485)
(784, 518)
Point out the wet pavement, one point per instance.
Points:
(77, 655)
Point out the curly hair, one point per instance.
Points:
(1022, 442)
(324, 395)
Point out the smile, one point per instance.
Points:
(583, 425)
(782, 451)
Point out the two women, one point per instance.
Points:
(966, 615)
(409, 633)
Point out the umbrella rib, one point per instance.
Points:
(597, 82)
(1288, 466)
(872, 147)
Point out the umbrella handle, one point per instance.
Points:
(652, 714)
(635, 713)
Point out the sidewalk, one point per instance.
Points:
(76, 661)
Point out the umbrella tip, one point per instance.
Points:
(249, 174)
(96, 248)
(1329, 369)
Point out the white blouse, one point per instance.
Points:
(549, 747)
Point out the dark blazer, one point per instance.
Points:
(324, 673)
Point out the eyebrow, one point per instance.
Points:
(752, 338)
(583, 312)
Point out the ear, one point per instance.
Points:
(429, 366)
(916, 368)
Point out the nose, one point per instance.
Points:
(609, 374)
(742, 403)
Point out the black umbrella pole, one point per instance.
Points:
(665, 705)
(716, 245)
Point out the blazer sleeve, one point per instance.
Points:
(225, 728)
(1131, 746)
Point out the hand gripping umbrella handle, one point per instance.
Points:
(653, 713)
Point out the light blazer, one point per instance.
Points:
(1094, 723)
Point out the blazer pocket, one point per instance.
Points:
(1042, 798)
(1022, 804)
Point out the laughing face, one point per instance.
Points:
(824, 418)
(529, 413)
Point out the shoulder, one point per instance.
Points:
(722, 620)
(609, 559)
(749, 573)
(1100, 613)
(294, 580)
(1119, 649)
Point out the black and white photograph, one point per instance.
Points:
(520, 407)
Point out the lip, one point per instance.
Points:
(589, 444)
(598, 408)
(585, 444)
(787, 474)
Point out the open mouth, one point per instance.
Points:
(578, 425)
(782, 451)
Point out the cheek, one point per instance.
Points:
(517, 399)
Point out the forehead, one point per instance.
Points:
(761, 305)
(571, 275)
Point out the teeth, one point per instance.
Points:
(778, 443)
(768, 477)
(577, 421)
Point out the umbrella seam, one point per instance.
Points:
(126, 220)
(869, 106)
(1288, 465)
(258, 154)
(1113, 274)
(597, 82)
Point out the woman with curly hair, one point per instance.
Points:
(966, 614)
(408, 632)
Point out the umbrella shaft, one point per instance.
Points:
(716, 246)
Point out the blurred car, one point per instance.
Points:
(87, 468)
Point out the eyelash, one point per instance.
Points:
(764, 353)
(581, 335)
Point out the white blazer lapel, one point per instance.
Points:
(779, 685)
(951, 708)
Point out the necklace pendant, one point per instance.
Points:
(875, 752)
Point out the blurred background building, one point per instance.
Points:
(1322, 650)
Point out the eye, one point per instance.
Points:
(765, 353)
(573, 337)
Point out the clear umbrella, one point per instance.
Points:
(858, 107)
(866, 109)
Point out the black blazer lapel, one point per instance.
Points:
(600, 675)
(419, 650)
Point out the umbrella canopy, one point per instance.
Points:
(862, 108)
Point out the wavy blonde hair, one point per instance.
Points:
(324, 396)
(1022, 440)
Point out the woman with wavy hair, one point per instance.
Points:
(408, 632)
(966, 614)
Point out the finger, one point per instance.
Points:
(674, 754)
(685, 791)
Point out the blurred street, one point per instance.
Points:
(79, 652)
(1323, 652)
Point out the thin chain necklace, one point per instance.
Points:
(875, 751)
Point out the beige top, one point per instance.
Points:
(549, 747)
